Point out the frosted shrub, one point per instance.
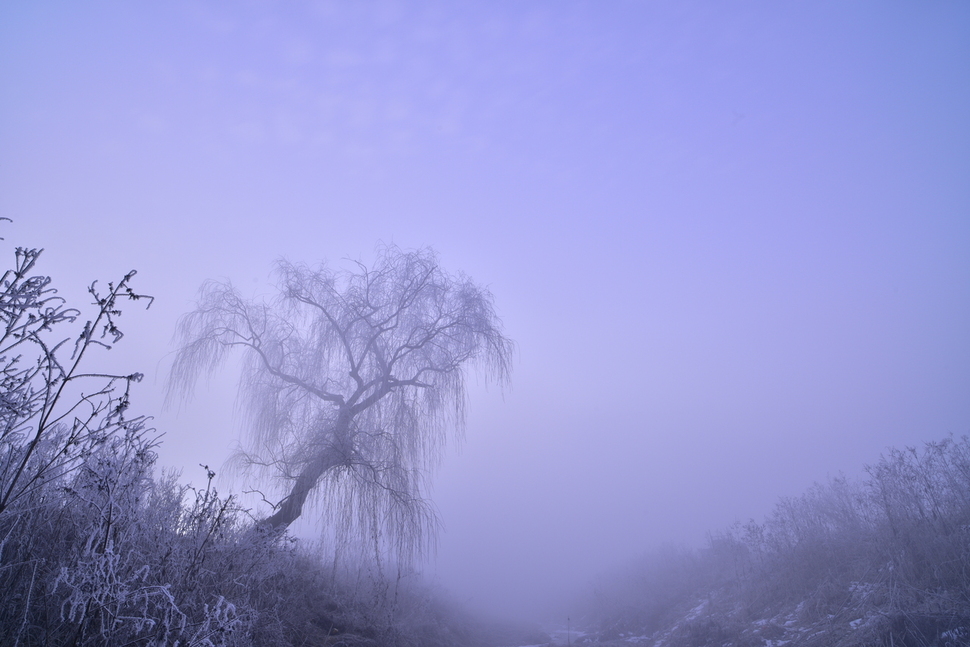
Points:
(53, 412)
(117, 603)
(112, 596)
(218, 623)
(111, 590)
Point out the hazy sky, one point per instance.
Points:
(731, 240)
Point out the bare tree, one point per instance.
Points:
(351, 381)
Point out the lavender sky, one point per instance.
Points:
(731, 240)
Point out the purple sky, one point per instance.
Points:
(732, 243)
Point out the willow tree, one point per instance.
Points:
(351, 381)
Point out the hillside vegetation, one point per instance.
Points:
(880, 561)
(97, 549)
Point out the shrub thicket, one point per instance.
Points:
(882, 560)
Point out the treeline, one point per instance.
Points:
(98, 550)
(880, 560)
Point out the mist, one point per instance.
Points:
(730, 243)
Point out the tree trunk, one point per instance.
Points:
(291, 507)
